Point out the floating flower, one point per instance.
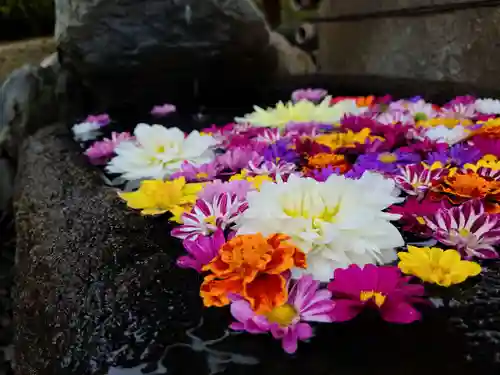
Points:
(155, 197)
(102, 119)
(101, 151)
(459, 111)
(271, 169)
(455, 156)
(382, 288)
(313, 95)
(238, 187)
(201, 251)
(487, 145)
(468, 228)
(192, 172)
(451, 136)
(251, 266)
(89, 129)
(280, 151)
(387, 162)
(288, 322)
(163, 110)
(336, 222)
(463, 186)
(324, 160)
(421, 110)
(487, 106)
(207, 217)
(301, 112)
(417, 179)
(437, 266)
(413, 211)
(158, 152)
(255, 181)
(238, 158)
(346, 139)
(489, 129)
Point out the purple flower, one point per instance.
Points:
(191, 172)
(237, 158)
(382, 288)
(280, 151)
(101, 151)
(386, 162)
(201, 251)
(457, 156)
(163, 110)
(216, 187)
(313, 95)
(288, 322)
(102, 119)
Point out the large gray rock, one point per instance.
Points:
(28, 101)
(458, 46)
(134, 51)
(96, 283)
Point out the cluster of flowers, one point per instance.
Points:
(296, 214)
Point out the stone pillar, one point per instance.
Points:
(459, 46)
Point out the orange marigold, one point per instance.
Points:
(490, 129)
(251, 266)
(325, 159)
(461, 187)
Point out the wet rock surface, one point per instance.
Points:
(94, 280)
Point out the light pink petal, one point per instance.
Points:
(289, 342)
(241, 311)
(303, 331)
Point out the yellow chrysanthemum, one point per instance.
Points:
(447, 122)
(437, 266)
(256, 181)
(487, 161)
(347, 139)
(155, 197)
(303, 111)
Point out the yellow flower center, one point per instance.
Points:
(210, 220)
(283, 315)
(387, 157)
(160, 149)
(463, 232)
(420, 220)
(201, 175)
(377, 297)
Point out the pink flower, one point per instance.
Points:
(237, 158)
(272, 169)
(191, 172)
(468, 228)
(413, 213)
(459, 111)
(313, 95)
(269, 136)
(417, 179)
(206, 217)
(100, 151)
(201, 251)
(238, 187)
(487, 145)
(383, 288)
(102, 119)
(163, 110)
(306, 303)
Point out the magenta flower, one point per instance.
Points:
(272, 169)
(201, 251)
(383, 288)
(417, 179)
(386, 162)
(288, 323)
(206, 217)
(313, 95)
(487, 145)
(237, 158)
(163, 110)
(101, 151)
(102, 119)
(238, 187)
(191, 172)
(468, 228)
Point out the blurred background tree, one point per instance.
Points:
(26, 18)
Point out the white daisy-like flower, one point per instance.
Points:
(451, 136)
(336, 223)
(159, 152)
(488, 106)
(303, 111)
(86, 131)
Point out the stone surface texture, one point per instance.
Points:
(96, 283)
(130, 51)
(292, 60)
(459, 46)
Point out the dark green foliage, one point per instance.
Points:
(25, 18)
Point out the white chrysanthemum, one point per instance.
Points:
(449, 135)
(158, 152)
(488, 106)
(336, 223)
(86, 131)
(303, 111)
